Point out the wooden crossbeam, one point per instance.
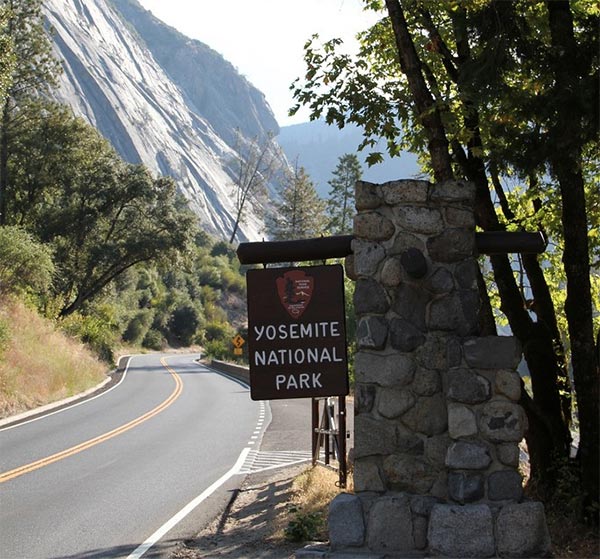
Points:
(324, 248)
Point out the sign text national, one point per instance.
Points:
(296, 332)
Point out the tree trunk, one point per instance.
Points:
(566, 165)
(552, 439)
(549, 437)
(428, 113)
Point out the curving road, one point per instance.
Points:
(104, 478)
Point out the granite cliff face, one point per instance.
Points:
(160, 98)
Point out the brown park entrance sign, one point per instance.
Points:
(297, 332)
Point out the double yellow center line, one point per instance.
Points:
(27, 468)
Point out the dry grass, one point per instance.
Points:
(312, 492)
(316, 487)
(38, 364)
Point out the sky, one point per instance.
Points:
(264, 39)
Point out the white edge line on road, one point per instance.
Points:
(275, 466)
(68, 407)
(171, 523)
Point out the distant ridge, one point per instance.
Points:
(318, 147)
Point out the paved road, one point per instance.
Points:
(96, 480)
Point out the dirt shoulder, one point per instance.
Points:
(252, 526)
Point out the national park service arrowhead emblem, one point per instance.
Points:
(295, 291)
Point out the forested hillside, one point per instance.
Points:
(108, 252)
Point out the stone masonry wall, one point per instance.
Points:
(438, 424)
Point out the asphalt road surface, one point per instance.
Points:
(111, 477)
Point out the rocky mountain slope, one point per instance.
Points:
(162, 99)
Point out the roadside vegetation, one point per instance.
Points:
(108, 254)
(93, 250)
(305, 518)
(44, 356)
(38, 363)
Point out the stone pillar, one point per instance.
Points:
(437, 422)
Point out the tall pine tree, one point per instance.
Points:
(299, 213)
(340, 206)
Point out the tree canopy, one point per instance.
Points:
(505, 95)
(100, 215)
(27, 72)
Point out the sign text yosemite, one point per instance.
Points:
(296, 332)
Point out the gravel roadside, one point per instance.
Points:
(251, 526)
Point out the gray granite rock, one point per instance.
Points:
(368, 257)
(404, 241)
(404, 336)
(464, 487)
(434, 353)
(521, 531)
(372, 436)
(370, 297)
(502, 421)
(466, 273)
(420, 531)
(461, 531)
(419, 219)
(390, 526)
(445, 313)
(367, 196)
(440, 281)
(470, 305)
(508, 383)
(421, 505)
(366, 476)
(462, 422)
(392, 272)
(371, 332)
(464, 455)
(408, 442)
(410, 303)
(453, 191)
(453, 245)
(426, 382)
(404, 191)
(349, 267)
(505, 485)
(468, 387)
(408, 473)
(436, 449)
(492, 352)
(459, 217)
(508, 454)
(385, 370)
(428, 416)
(346, 522)
(393, 403)
(364, 397)
(373, 226)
